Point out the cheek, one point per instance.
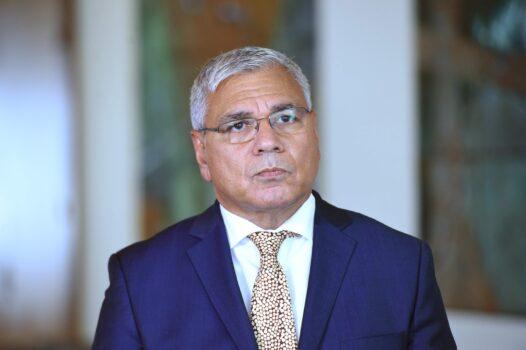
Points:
(307, 158)
(306, 150)
(226, 166)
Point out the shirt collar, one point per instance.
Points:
(301, 222)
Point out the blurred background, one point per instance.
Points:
(422, 114)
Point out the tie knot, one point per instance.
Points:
(268, 243)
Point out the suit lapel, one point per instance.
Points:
(212, 261)
(331, 252)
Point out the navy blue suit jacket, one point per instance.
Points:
(370, 287)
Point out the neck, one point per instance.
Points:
(269, 219)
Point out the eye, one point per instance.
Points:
(286, 117)
(237, 126)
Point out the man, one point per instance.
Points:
(270, 265)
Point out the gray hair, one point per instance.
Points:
(242, 60)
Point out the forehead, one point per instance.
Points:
(254, 92)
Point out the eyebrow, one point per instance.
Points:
(281, 107)
(234, 116)
(245, 115)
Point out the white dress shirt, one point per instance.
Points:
(294, 254)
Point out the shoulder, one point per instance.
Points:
(169, 244)
(371, 234)
(368, 230)
(382, 253)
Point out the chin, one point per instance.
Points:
(274, 198)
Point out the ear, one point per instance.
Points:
(198, 140)
(314, 119)
(314, 116)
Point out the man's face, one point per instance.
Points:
(270, 172)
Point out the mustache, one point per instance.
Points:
(270, 161)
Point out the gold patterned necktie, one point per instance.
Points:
(271, 314)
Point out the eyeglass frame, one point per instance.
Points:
(257, 120)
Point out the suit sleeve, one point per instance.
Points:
(429, 326)
(116, 328)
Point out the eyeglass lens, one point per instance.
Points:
(284, 122)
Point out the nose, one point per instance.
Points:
(266, 140)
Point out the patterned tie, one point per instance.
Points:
(271, 314)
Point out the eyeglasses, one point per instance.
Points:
(286, 121)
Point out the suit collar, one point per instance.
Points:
(205, 222)
(212, 261)
(331, 253)
(328, 213)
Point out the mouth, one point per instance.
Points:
(272, 173)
